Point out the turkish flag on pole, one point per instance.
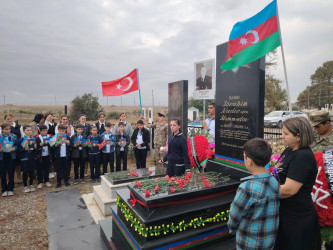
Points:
(121, 86)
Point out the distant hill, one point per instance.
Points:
(25, 113)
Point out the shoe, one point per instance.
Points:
(5, 194)
(82, 181)
(51, 175)
(58, 185)
(10, 193)
(32, 188)
(40, 185)
(26, 189)
(76, 181)
(48, 184)
(67, 184)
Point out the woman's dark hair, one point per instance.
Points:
(300, 126)
(4, 125)
(38, 117)
(258, 150)
(178, 123)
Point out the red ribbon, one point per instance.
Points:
(134, 200)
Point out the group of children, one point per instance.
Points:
(37, 152)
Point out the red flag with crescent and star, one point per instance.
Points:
(121, 86)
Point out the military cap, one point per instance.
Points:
(319, 116)
(163, 113)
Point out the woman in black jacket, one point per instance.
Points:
(177, 156)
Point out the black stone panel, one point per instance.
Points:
(240, 97)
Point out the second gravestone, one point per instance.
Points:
(240, 97)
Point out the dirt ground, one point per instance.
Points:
(23, 222)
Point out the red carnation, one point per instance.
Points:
(189, 174)
(150, 172)
(207, 185)
(136, 182)
(181, 185)
(156, 188)
(139, 184)
(147, 193)
(167, 177)
(172, 190)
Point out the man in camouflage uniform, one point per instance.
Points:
(161, 134)
(321, 122)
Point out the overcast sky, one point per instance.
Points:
(52, 51)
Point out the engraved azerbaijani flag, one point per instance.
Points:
(53, 140)
(253, 38)
(25, 142)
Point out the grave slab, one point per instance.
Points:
(70, 225)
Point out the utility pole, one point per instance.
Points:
(308, 98)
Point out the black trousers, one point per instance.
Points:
(43, 169)
(108, 158)
(175, 170)
(94, 161)
(7, 167)
(62, 169)
(121, 156)
(79, 163)
(140, 157)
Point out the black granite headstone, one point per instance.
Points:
(178, 103)
(239, 106)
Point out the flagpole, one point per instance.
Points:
(137, 73)
(283, 59)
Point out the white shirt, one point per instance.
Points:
(45, 149)
(108, 146)
(63, 150)
(139, 140)
(211, 132)
(211, 125)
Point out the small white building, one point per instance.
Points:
(193, 114)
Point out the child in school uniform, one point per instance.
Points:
(28, 152)
(8, 147)
(122, 142)
(61, 152)
(108, 149)
(140, 140)
(44, 154)
(94, 154)
(79, 153)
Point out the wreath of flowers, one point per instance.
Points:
(171, 227)
(320, 194)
